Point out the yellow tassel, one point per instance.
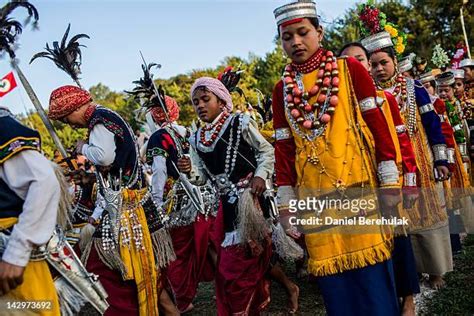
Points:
(350, 261)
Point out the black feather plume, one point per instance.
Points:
(230, 79)
(10, 28)
(267, 104)
(144, 91)
(264, 108)
(67, 56)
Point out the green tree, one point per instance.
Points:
(68, 135)
(269, 69)
(426, 22)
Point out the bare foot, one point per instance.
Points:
(188, 309)
(166, 305)
(436, 282)
(293, 296)
(408, 306)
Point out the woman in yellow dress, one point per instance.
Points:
(324, 109)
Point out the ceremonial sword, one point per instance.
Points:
(190, 190)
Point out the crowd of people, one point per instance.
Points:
(157, 211)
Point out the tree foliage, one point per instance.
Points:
(426, 22)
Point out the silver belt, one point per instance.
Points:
(202, 188)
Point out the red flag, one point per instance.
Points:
(7, 84)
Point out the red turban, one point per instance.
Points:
(173, 111)
(65, 100)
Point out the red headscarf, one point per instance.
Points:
(173, 111)
(65, 100)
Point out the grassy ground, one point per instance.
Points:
(457, 298)
(311, 303)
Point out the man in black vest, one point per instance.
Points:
(29, 197)
(126, 242)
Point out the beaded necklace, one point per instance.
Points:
(399, 85)
(410, 108)
(303, 116)
(232, 151)
(311, 64)
(230, 159)
(214, 129)
(403, 90)
(80, 211)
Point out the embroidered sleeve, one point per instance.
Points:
(153, 152)
(430, 119)
(156, 147)
(441, 107)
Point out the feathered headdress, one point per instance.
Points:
(67, 56)
(230, 78)
(10, 28)
(145, 91)
(264, 107)
(373, 23)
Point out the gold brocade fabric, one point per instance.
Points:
(140, 264)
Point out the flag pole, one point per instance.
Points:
(464, 28)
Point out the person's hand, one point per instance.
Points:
(443, 173)
(78, 148)
(465, 159)
(257, 186)
(184, 164)
(11, 276)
